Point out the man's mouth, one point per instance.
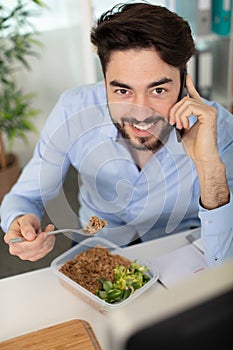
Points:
(145, 135)
(146, 127)
(143, 127)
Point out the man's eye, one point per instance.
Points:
(158, 91)
(122, 91)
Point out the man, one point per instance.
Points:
(121, 136)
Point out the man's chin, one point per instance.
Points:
(145, 144)
(139, 147)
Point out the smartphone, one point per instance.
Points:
(183, 92)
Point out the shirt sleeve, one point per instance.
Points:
(217, 232)
(42, 178)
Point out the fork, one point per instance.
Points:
(79, 231)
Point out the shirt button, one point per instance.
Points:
(207, 222)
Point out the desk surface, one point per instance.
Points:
(35, 300)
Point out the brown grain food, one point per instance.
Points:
(95, 224)
(88, 266)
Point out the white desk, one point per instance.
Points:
(36, 300)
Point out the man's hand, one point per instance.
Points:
(200, 143)
(36, 245)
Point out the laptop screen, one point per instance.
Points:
(207, 324)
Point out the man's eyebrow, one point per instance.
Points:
(159, 82)
(150, 85)
(119, 84)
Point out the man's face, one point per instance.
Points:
(141, 89)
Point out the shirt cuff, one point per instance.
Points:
(217, 232)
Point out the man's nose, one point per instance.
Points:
(140, 108)
(141, 99)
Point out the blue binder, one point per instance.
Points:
(221, 16)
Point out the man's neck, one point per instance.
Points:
(140, 157)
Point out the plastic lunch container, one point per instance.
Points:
(82, 292)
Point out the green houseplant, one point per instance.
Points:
(17, 43)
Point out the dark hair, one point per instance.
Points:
(143, 25)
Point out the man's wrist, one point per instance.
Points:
(213, 185)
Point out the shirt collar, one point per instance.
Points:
(108, 129)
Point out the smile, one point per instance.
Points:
(143, 127)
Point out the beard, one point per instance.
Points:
(145, 143)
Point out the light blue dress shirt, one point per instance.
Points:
(161, 199)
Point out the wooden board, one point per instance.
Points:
(74, 334)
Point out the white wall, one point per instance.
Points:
(61, 65)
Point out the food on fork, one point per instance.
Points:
(94, 225)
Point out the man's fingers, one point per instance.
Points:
(28, 232)
(36, 244)
(191, 88)
(187, 106)
(29, 226)
(35, 249)
(49, 228)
